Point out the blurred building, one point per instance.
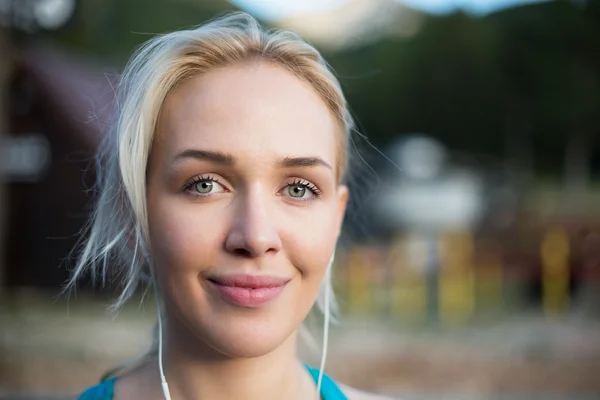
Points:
(59, 105)
(5, 63)
(17, 17)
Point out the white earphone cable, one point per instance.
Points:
(326, 325)
(163, 380)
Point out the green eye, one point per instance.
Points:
(204, 187)
(297, 191)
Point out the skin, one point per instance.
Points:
(223, 200)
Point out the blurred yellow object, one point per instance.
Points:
(489, 277)
(408, 294)
(555, 251)
(456, 278)
(359, 282)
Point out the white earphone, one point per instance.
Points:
(163, 380)
(327, 316)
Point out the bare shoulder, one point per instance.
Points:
(355, 394)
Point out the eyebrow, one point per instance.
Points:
(206, 155)
(291, 162)
(228, 160)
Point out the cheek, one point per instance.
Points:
(309, 240)
(184, 237)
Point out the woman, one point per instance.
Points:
(224, 188)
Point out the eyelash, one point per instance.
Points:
(297, 182)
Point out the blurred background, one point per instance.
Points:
(470, 267)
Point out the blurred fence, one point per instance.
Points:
(454, 277)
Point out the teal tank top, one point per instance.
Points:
(329, 389)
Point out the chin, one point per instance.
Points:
(243, 336)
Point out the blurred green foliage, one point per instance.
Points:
(527, 76)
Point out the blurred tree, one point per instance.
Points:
(521, 84)
(549, 61)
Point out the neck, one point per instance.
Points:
(194, 370)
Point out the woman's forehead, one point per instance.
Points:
(249, 109)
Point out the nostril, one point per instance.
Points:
(242, 252)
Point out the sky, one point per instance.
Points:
(274, 9)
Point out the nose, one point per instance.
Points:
(253, 232)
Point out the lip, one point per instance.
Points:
(248, 290)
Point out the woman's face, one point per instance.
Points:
(244, 206)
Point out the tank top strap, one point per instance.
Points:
(329, 389)
(103, 391)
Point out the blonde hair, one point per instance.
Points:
(118, 231)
